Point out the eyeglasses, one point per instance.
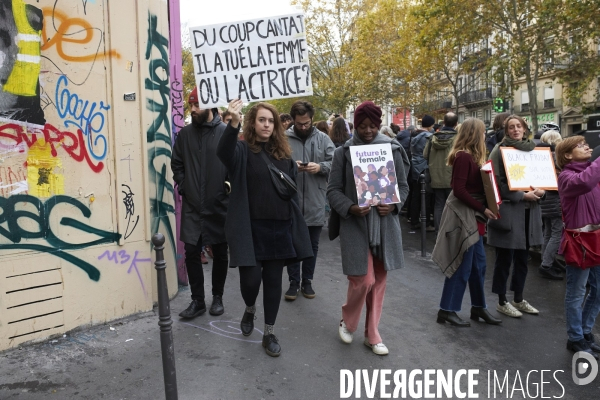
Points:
(582, 145)
(304, 125)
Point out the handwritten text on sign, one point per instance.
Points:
(254, 60)
(529, 168)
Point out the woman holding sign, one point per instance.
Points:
(518, 227)
(264, 227)
(370, 237)
(579, 188)
(459, 252)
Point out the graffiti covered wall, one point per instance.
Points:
(85, 147)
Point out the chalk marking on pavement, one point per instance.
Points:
(236, 331)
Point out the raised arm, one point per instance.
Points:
(228, 149)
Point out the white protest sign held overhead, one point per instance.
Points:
(254, 60)
(525, 169)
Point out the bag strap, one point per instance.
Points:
(266, 159)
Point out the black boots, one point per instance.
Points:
(217, 306)
(307, 290)
(589, 338)
(292, 292)
(195, 308)
(550, 273)
(247, 324)
(271, 345)
(581, 345)
(484, 314)
(452, 319)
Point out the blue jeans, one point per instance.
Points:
(580, 317)
(552, 233)
(471, 270)
(308, 265)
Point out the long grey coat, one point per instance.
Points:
(317, 148)
(509, 230)
(238, 226)
(354, 236)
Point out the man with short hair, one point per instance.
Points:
(313, 152)
(418, 165)
(200, 178)
(226, 117)
(436, 153)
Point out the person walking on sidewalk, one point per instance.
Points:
(370, 237)
(313, 151)
(579, 189)
(200, 178)
(436, 153)
(418, 165)
(461, 257)
(518, 228)
(265, 229)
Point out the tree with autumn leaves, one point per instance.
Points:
(397, 52)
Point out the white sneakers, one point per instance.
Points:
(508, 309)
(380, 349)
(515, 310)
(345, 334)
(525, 307)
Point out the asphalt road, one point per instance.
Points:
(214, 361)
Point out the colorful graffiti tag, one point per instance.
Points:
(158, 134)
(19, 218)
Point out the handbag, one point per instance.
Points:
(581, 247)
(284, 185)
(333, 225)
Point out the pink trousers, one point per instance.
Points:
(369, 288)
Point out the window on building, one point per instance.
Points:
(461, 117)
(473, 114)
(487, 116)
(460, 85)
(524, 101)
(549, 97)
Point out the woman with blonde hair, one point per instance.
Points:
(459, 248)
(265, 229)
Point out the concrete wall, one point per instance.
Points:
(85, 175)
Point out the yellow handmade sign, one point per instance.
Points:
(526, 169)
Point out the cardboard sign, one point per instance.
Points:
(254, 60)
(492, 194)
(525, 169)
(374, 174)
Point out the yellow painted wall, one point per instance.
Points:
(85, 177)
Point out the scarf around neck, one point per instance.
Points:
(496, 154)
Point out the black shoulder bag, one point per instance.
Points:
(284, 185)
(333, 225)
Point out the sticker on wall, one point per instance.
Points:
(44, 177)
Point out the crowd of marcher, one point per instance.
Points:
(256, 193)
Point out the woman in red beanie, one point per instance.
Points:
(370, 237)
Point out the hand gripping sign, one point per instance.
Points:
(254, 60)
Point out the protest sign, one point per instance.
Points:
(374, 174)
(525, 169)
(254, 60)
(492, 194)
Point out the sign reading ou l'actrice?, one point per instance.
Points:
(254, 60)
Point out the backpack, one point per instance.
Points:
(491, 139)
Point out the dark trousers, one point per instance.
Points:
(504, 259)
(415, 205)
(441, 195)
(270, 272)
(193, 264)
(308, 265)
(507, 257)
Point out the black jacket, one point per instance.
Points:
(201, 177)
(550, 203)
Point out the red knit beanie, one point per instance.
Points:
(365, 110)
(193, 96)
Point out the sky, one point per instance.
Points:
(206, 12)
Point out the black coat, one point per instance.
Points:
(550, 203)
(234, 154)
(201, 177)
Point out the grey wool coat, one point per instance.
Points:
(509, 230)
(233, 153)
(354, 236)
